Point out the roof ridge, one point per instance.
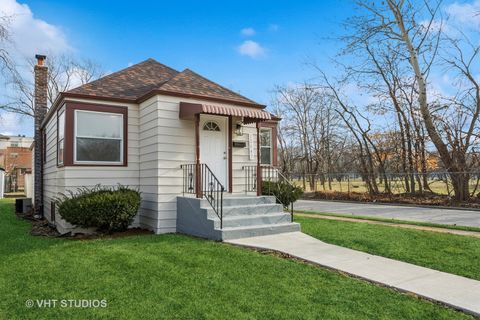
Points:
(229, 90)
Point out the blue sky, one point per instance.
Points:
(247, 46)
(204, 36)
(201, 35)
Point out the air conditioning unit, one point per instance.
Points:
(23, 205)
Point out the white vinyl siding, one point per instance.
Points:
(158, 143)
(165, 143)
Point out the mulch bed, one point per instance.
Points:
(405, 198)
(41, 227)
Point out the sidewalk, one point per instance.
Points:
(455, 291)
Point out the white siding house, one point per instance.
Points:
(157, 139)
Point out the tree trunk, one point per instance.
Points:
(460, 186)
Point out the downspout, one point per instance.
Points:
(40, 110)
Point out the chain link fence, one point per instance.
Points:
(395, 183)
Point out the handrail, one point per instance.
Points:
(270, 174)
(206, 186)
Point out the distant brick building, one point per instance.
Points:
(16, 159)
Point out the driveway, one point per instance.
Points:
(418, 214)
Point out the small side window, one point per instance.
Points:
(61, 137)
(266, 146)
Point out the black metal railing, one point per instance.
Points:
(198, 179)
(189, 183)
(250, 178)
(271, 183)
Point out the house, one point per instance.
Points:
(16, 160)
(192, 147)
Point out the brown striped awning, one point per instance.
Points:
(188, 110)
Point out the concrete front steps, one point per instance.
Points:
(242, 217)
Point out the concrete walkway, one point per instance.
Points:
(458, 292)
(419, 214)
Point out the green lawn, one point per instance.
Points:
(445, 252)
(397, 186)
(391, 220)
(172, 276)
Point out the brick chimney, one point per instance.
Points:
(41, 79)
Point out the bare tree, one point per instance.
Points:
(65, 72)
(308, 136)
(412, 30)
(5, 60)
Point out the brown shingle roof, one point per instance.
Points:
(129, 83)
(149, 77)
(189, 82)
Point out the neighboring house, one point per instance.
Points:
(177, 137)
(16, 159)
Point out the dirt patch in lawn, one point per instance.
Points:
(427, 199)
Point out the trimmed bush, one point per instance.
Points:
(106, 209)
(283, 191)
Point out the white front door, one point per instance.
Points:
(213, 146)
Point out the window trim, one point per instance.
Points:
(61, 112)
(122, 151)
(70, 107)
(264, 147)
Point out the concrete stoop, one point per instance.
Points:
(242, 217)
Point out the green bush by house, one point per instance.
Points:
(104, 208)
(282, 190)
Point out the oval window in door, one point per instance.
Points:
(211, 126)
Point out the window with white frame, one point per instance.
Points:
(61, 136)
(98, 137)
(266, 146)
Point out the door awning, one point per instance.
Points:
(188, 110)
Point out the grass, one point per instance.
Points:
(397, 186)
(444, 252)
(415, 223)
(173, 276)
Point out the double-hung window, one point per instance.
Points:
(98, 137)
(266, 146)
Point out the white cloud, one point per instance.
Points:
(468, 14)
(31, 35)
(10, 124)
(273, 27)
(247, 32)
(251, 49)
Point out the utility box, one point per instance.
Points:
(239, 144)
(23, 205)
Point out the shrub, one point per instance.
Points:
(106, 209)
(283, 191)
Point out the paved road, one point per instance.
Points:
(456, 291)
(419, 214)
